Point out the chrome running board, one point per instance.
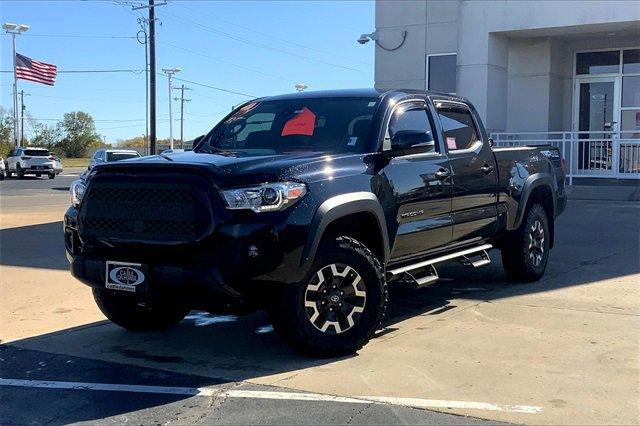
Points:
(431, 275)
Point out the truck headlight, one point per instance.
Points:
(77, 191)
(266, 197)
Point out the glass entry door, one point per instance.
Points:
(596, 110)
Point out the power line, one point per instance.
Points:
(226, 62)
(199, 12)
(213, 87)
(253, 43)
(78, 36)
(84, 99)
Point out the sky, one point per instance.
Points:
(255, 48)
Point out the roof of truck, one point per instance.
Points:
(356, 93)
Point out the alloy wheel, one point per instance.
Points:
(335, 298)
(536, 243)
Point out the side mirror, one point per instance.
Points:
(405, 142)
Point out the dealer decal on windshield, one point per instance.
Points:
(303, 123)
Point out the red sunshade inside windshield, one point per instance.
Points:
(303, 123)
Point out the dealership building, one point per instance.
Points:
(563, 72)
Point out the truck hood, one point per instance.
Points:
(229, 170)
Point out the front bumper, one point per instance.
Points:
(235, 263)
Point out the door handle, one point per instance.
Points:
(486, 169)
(443, 173)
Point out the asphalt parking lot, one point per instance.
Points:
(562, 350)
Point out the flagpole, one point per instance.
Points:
(15, 95)
(15, 29)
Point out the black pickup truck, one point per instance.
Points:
(308, 205)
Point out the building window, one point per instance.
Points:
(598, 62)
(631, 61)
(441, 72)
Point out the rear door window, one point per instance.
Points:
(458, 128)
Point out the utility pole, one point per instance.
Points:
(152, 79)
(22, 108)
(152, 72)
(182, 101)
(170, 73)
(143, 23)
(15, 29)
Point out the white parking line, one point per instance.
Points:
(290, 396)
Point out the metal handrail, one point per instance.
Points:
(613, 154)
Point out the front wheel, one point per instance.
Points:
(132, 313)
(52, 175)
(336, 309)
(526, 253)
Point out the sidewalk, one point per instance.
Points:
(604, 193)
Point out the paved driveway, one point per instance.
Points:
(563, 350)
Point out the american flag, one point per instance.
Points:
(32, 70)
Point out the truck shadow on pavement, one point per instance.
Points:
(207, 349)
(33, 246)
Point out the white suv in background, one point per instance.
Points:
(31, 161)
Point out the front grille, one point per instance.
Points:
(145, 209)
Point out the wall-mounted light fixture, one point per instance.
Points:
(365, 38)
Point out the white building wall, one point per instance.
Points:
(515, 58)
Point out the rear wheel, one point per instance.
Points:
(526, 253)
(19, 172)
(135, 314)
(336, 309)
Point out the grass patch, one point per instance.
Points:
(75, 162)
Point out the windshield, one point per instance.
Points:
(117, 156)
(36, 152)
(297, 125)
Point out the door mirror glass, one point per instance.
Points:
(411, 141)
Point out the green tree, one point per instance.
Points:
(135, 142)
(79, 134)
(6, 132)
(46, 136)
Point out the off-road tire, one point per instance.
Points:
(290, 315)
(517, 254)
(130, 312)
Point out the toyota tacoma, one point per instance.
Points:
(308, 206)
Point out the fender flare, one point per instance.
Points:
(341, 206)
(534, 181)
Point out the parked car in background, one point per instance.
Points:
(3, 169)
(58, 163)
(171, 151)
(102, 156)
(109, 155)
(31, 161)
